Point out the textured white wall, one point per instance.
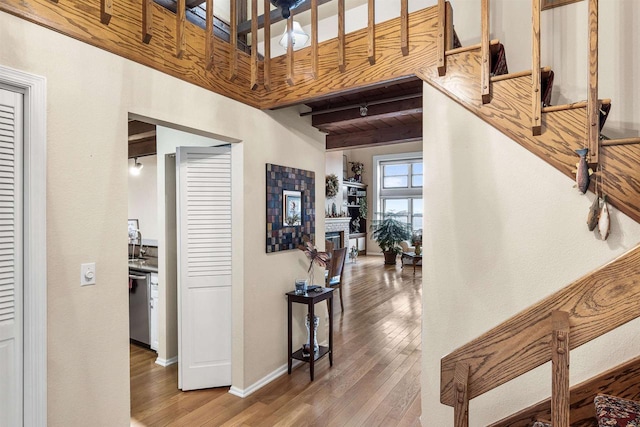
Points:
(90, 94)
(504, 229)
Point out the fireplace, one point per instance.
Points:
(335, 237)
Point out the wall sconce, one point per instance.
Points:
(298, 37)
(136, 168)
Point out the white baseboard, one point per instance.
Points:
(263, 381)
(167, 362)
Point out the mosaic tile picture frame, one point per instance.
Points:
(279, 180)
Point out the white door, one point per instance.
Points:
(204, 266)
(11, 356)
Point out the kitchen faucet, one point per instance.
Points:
(137, 237)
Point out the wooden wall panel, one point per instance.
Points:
(81, 20)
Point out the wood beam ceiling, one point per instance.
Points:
(393, 135)
(142, 139)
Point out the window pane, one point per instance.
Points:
(416, 180)
(417, 206)
(396, 182)
(416, 223)
(396, 170)
(417, 169)
(396, 206)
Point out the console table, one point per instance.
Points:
(311, 298)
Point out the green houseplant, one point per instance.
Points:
(388, 233)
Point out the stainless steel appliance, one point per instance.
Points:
(139, 292)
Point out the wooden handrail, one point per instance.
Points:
(620, 141)
(516, 75)
(572, 106)
(595, 306)
(469, 48)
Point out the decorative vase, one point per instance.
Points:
(307, 346)
(357, 177)
(418, 249)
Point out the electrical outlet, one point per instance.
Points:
(88, 274)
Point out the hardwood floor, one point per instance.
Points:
(374, 381)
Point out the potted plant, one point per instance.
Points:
(388, 233)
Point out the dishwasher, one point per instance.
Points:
(139, 290)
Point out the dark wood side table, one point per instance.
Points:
(413, 257)
(311, 298)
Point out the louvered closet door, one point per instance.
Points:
(10, 258)
(204, 266)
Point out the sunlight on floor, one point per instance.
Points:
(136, 423)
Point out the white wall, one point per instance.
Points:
(90, 95)
(504, 229)
(143, 198)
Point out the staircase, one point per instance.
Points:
(611, 411)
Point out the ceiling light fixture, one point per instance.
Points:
(136, 167)
(299, 38)
(286, 6)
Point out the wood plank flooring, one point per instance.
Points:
(374, 381)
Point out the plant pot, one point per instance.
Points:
(390, 257)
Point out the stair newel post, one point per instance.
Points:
(593, 106)
(486, 59)
(461, 395)
(536, 118)
(560, 369)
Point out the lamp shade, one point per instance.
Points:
(298, 37)
(285, 6)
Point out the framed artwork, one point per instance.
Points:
(548, 4)
(290, 207)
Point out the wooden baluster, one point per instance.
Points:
(233, 39)
(560, 369)
(536, 118)
(404, 27)
(371, 33)
(485, 73)
(106, 10)
(314, 38)
(254, 44)
(341, 36)
(147, 21)
(181, 18)
(461, 395)
(448, 27)
(209, 37)
(593, 107)
(267, 45)
(290, 69)
(442, 15)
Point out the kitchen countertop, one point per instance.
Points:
(148, 265)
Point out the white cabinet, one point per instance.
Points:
(153, 312)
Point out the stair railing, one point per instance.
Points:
(586, 309)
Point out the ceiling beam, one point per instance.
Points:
(276, 16)
(326, 122)
(136, 127)
(393, 135)
(144, 147)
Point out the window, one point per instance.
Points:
(399, 187)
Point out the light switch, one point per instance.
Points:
(88, 274)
